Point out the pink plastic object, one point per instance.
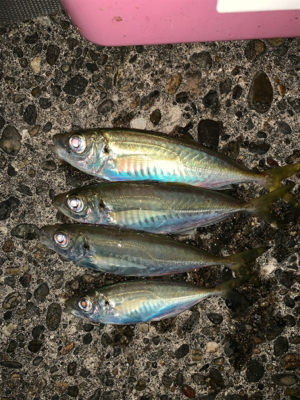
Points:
(133, 22)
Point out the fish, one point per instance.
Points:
(132, 253)
(133, 302)
(160, 207)
(131, 155)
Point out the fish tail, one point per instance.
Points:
(273, 178)
(239, 262)
(228, 292)
(260, 206)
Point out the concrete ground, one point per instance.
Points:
(52, 80)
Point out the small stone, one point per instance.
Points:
(67, 348)
(11, 364)
(48, 165)
(34, 130)
(7, 330)
(41, 292)
(87, 339)
(38, 331)
(24, 189)
(215, 318)
(25, 280)
(8, 206)
(294, 59)
(281, 346)
(144, 328)
(10, 141)
(289, 301)
(280, 51)
(285, 379)
(36, 65)
(148, 101)
(261, 93)
(295, 104)
(96, 395)
(155, 116)
(35, 345)
(182, 351)
(26, 231)
(290, 361)
(173, 83)
(281, 89)
(276, 42)
(36, 362)
(259, 147)
(216, 377)
(210, 100)
(53, 316)
(72, 366)
(254, 49)
(209, 133)
(52, 54)
(141, 385)
(30, 114)
(284, 128)
(138, 123)
(44, 103)
(106, 106)
(11, 301)
(8, 246)
(188, 391)
(255, 371)
(225, 86)
(42, 187)
(2, 122)
(106, 340)
(73, 391)
(61, 387)
(167, 380)
(237, 92)
(202, 60)
(211, 347)
(182, 97)
(196, 355)
(92, 67)
(47, 127)
(19, 97)
(76, 86)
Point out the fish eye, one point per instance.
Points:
(77, 144)
(85, 304)
(75, 204)
(61, 239)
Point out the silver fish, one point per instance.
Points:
(159, 208)
(133, 302)
(132, 253)
(129, 155)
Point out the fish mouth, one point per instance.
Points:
(46, 233)
(60, 145)
(59, 202)
(70, 306)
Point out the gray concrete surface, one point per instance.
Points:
(52, 80)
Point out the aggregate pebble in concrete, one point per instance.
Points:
(241, 98)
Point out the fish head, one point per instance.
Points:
(93, 305)
(79, 204)
(66, 240)
(86, 150)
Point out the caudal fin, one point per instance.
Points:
(260, 205)
(227, 291)
(239, 262)
(276, 175)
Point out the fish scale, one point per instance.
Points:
(132, 253)
(160, 207)
(157, 157)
